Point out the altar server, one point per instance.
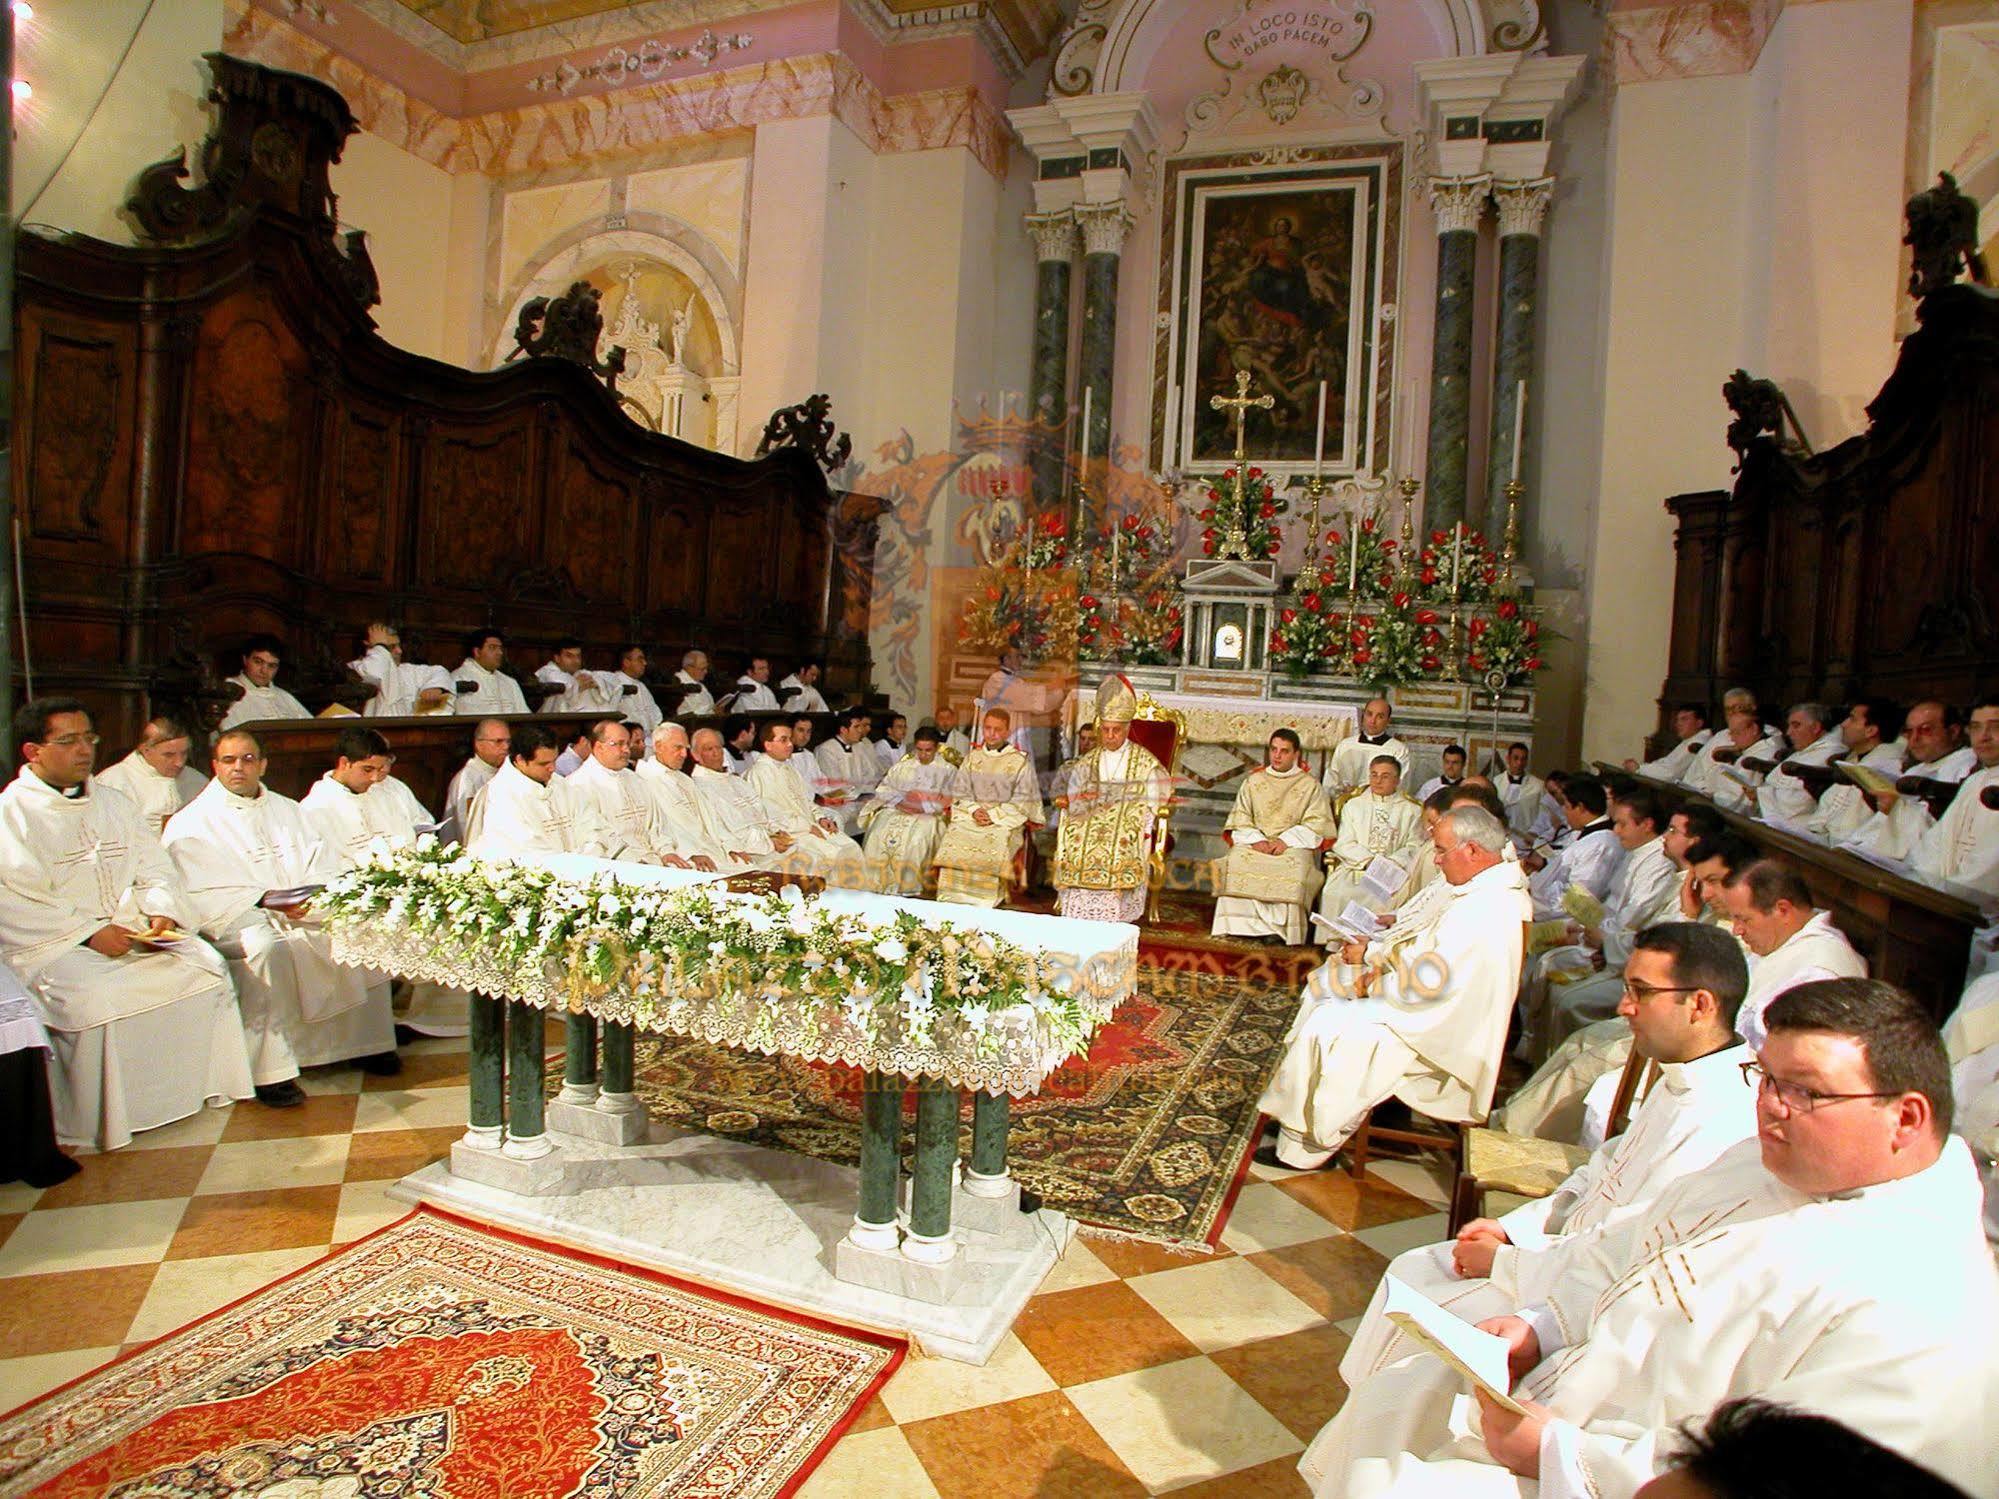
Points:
(735, 813)
(1265, 885)
(1793, 943)
(490, 742)
(156, 777)
(402, 688)
(663, 776)
(1103, 850)
(577, 690)
(1351, 762)
(604, 783)
(1833, 1264)
(818, 846)
(848, 769)
(262, 698)
(1933, 738)
(141, 1032)
(993, 797)
(753, 694)
(1592, 856)
(629, 696)
(1681, 991)
(1524, 793)
(493, 689)
(1426, 1030)
(800, 691)
(1377, 823)
(1868, 732)
(697, 701)
(1453, 761)
(249, 860)
(1690, 736)
(904, 818)
(527, 808)
(1811, 731)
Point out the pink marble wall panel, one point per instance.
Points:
(1698, 39)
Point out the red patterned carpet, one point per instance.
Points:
(442, 1360)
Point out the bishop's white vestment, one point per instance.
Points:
(1270, 895)
(397, 684)
(833, 856)
(1371, 827)
(156, 796)
(1103, 848)
(974, 862)
(300, 1008)
(1429, 1035)
(261, 704)
(904, 821)
(494, 693)
(137, 1041)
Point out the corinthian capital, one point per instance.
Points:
(1104, 226)
(1459, 202)
(1523, 205)
(1054, 234)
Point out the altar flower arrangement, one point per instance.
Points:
(1028, 599)
(1504, 646)
(1461, 552)
(1262, 507)
(1359, 560)
(1389, 647)
(1311, 635)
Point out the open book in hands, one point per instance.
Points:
(1478, 1356)
(284, 900)
(1585, 907)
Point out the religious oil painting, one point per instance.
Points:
(1276, 272)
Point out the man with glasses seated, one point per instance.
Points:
(1770, 908)
(1833, 1264)
(490, 743)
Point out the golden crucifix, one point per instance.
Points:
(1234, 542)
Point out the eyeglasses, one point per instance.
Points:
(1643, 992)
(1796, 1097)
(68, 741)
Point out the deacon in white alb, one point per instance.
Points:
(490, 742)
(1523, 793)
(528, 809)
(1265, 885)
(402, 688)
(993, 798)
(492, 689)
(1682, 988)
(1867, 732)
(578, 691)
(800, 691)
(663, 776)
(630, 698)
(1812, 732)
(753, 694)
(156, 777)
(1376, 823)
(697, 701)
(1690, 735)
(818, 846)
(1349, 765)
(904, 818)
(1834, 1264)
(1933, 734)
(142, 1032)
(250, 861)
(1428, 1030)
(262, 700)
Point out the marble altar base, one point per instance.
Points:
(762, 1222)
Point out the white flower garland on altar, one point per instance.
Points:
(773, 973)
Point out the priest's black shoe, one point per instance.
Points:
(405, 1035)
(285, 1095)
(381, 1064)
(1266, 1155)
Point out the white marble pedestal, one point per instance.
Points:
(762, 1222)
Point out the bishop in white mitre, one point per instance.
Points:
(994, 796)
(735, 814)
(141, 1033)
(481, 685)
(1837, 1271)
(528, 809)
(818, 847)
(1686, 980)
(1104, 848)
(677, 806)
(242, 849)
(1376, 823)
(1933, 754)
(262, 699)
(1352, 759)
(1266, 883)
(402, 688)
(1427, 1029)
(156, 777)
(904, 817)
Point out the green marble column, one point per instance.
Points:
(1458, 203)
(1522, 208)
(991, 1114)
(488, 1043)
(936, 1155)
(881, 1117)
(1054, 236)
(617, 1077)
(579, 1058)
(527, 1134)
(1103, 226)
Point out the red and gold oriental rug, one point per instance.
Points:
(441, 1360)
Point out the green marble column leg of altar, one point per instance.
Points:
(579, 1059)
(929, 1238)
(989, 1200)
(527, 1133)
(488, 1091)
(881, 1117)
(602, 1106)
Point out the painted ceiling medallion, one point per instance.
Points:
(645, 62)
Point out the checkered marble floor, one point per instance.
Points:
(1133, 1371)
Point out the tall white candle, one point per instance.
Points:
(1353, 552)
(1519, 424)
(1117, 538)
(1088, 394)
(1457, 556)
(1319, 447)
(1171, 425)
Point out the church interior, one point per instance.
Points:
(1032, 747)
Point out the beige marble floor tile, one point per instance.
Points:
(331, 1084)
(365, 1207)
(416, 1108)
(184, 1290)
(1427, 1179)
(925, 1387)
(18, 1197)
(1077, 1267)
(1221, 1304)
(90, 1238)
(1177, 1423)
(262, 1165)
(204, 1128)
(1392, 1238)
(869, 1465)
(1265, 1218)
(24, 1379)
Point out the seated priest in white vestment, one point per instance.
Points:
(1523, 792)
(800, 691)
(1266, 883)
(1743, 735)
(848, 769)
(1833, 1264)
(1934, 750)
(1811, 733)
(262, 700)
(577, 690)
(140, 1013)
(528, 809)
(1963, 847)
(735, 813)
(156, 777)
(697, 701)
(904, 816)
(491, 740)
(1350, 763)
(1567, 987)
(251, 864)
(1427, 1029)
(993, 797)
(1690, 736)
(1868, 732)
(1971, 1036)
(818, 847)
(629, 696)
(957, 743)
(678, 807)
(739, 744)
(605, 784)
(1104, 848)
(1681, 989)
(358, 809)
(1790, 941)
(402, 688)
(1453, 761)
(491, 688)
(1592, 856)
(1378, 822)
(753, 693)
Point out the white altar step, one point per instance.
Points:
(760, 1222)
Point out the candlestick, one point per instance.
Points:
(1519, 424)
(1315, 488)
(1508, 551)
(1408, 486)
(1319, 447)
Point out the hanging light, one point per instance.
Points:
(23, 12)
(23, 91)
